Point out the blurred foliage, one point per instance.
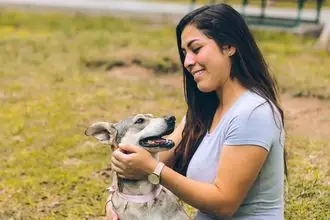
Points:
(256, 3)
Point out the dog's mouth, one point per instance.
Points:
(157, 141)
(152, 142)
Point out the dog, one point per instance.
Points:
(139, 199)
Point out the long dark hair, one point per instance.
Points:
(226, 27)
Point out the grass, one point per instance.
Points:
(308, 188)
(54, 82)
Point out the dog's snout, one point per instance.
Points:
(170, 119)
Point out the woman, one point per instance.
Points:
(229, 155)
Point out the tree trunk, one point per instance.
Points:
(323, 42)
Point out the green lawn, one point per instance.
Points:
(54, 82)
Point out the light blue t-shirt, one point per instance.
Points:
(250, 121)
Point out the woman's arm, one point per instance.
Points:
(237, 170)
(167, 157)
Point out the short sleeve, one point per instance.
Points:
(258, 126)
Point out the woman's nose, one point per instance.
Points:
(189, 62)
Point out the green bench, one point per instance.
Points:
(267, 20)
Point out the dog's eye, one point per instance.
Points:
(139, 121)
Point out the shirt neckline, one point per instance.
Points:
(226, 113)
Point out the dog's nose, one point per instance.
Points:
(170, 119)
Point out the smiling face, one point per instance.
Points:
(209, 66)
(143, 130)
(146, 131)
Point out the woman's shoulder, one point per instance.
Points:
(251, 101)
(255, 121)
(255, 106)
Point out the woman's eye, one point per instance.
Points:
(139, 121)
(196, 50)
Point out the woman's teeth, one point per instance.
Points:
(198, 74)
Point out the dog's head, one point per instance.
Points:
(143, 130)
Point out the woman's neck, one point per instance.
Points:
(229, 93)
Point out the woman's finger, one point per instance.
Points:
(129, 148)
(127, 177)
(119, 155)
(117, 164)
(118, 170)
(122, 176)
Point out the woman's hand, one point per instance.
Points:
(132, 162)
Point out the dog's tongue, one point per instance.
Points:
(156, 141)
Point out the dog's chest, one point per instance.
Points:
(164, 207)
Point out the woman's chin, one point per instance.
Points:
(204, 88)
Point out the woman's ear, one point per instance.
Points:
(228, 50)
(232, 51)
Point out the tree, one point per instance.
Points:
(323, 42)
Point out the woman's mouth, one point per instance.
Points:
(197, 75)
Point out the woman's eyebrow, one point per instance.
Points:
(190, 43)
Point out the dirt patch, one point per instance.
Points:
(133, 73)
(173, 80)
(72, 162)
(308, 117)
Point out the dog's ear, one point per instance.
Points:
(105, 132)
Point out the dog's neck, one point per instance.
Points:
(136, 187)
